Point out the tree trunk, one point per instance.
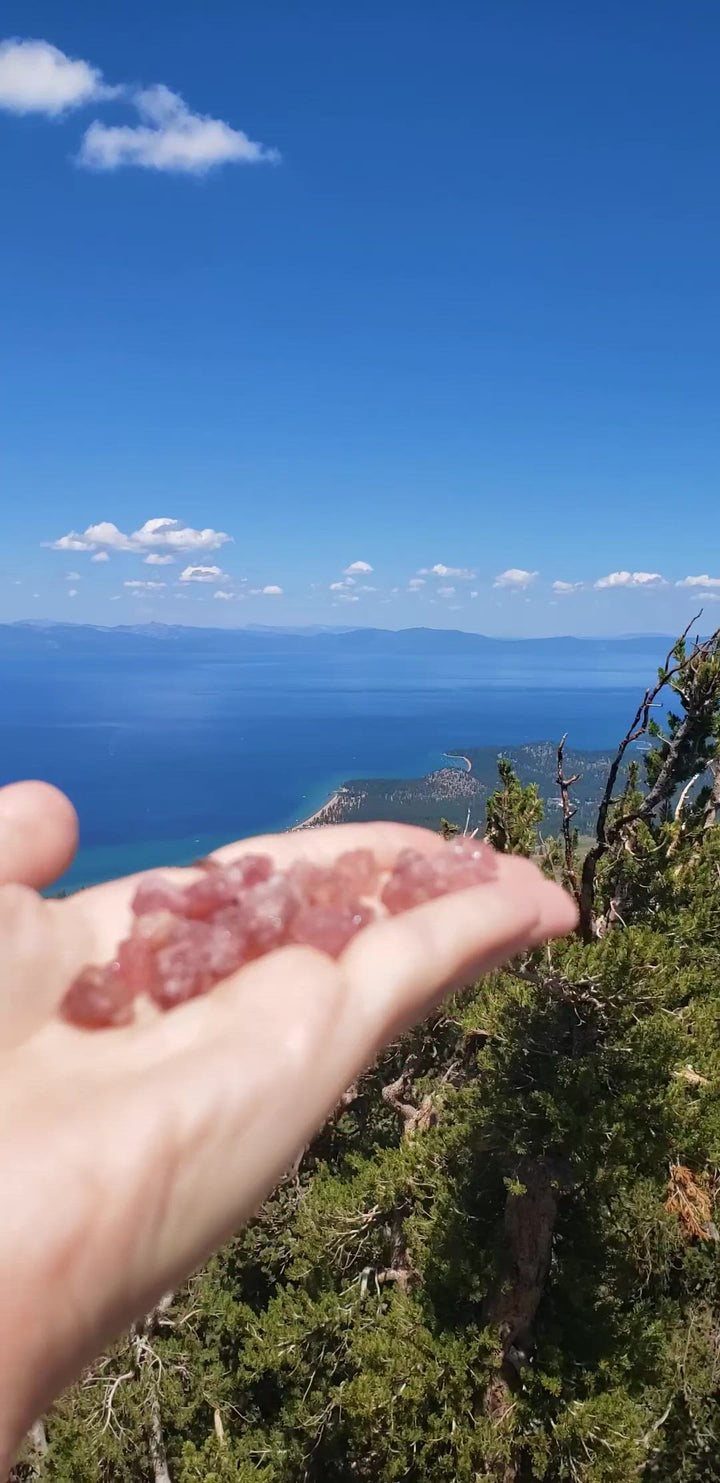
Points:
(161, 1473)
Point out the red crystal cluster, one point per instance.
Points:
(184, 939)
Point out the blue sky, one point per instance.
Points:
(437, 287)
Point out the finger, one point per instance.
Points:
(39, 957)
(398, 968)
(38, 833)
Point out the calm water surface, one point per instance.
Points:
(165, 756)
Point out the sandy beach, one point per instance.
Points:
(318, 815)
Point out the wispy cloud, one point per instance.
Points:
(152, 560)
(224, 596)
(515, 577)
(72, 592)
(272, 591)
(202, 574)
(72, 576)
(169, 137)
(464, 573)
(446, 591)
(160, 532)
(100, 556)
(415, 584)
(566, 587)
(631, 579)
(145, 586)
(699, 582)
(362, 568)
(346, 597)
(36, 77)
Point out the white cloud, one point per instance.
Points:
(152, 560)
(514, 577)
(347, 597)
(72, 576)
(145, 586)
(36, 77)
(272, 591)
(363, 567)
(224, 596)
(72, 592)
(566, 586)
(439, 570)
(364, 588)
(474, 594)
(446, 591)
(202, 574)
(630, 579)
(699, 582)
(160, 533)
(337, 586)
(168, 137)
(71, 542)
(416, 583)
(100, 556)
(709, 596)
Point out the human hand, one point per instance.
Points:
(129, 1154)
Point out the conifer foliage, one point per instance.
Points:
(500, 1258)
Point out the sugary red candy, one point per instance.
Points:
(99, 998)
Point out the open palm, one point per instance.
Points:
(129, 1154)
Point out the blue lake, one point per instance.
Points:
(167, 754)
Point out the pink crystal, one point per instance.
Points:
(359, 868)
(411, 882)
(267, 910)
(249, 870)
(465, 862)
(182, 968)
(156, 894)
(184, 940)
(207, 895)
(98, 998)
(317, 884)
(327, 928)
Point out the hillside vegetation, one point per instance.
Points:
(499, 1260)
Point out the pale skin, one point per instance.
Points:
(128, 1155)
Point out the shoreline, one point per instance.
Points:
(313, 818)
(459, 757)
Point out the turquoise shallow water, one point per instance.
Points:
(167, 755)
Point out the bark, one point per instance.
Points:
(712, 812)
(528, 1227)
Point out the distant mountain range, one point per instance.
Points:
(35, 638)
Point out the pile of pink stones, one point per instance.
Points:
(185, 939)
